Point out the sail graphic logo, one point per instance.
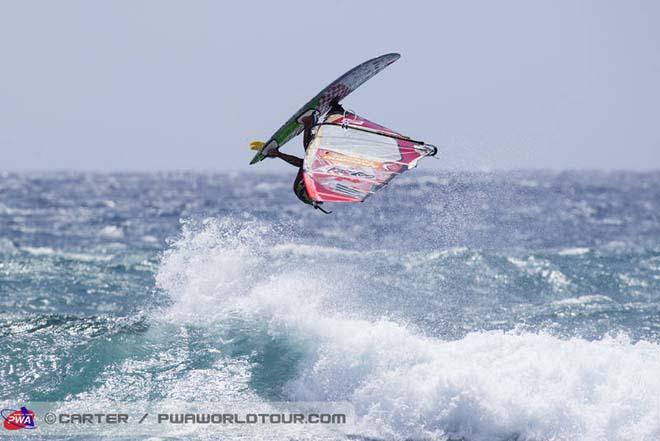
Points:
(18, 419)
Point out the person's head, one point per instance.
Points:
(336, 108)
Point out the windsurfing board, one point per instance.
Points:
(334, 92)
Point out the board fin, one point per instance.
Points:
(256, 145)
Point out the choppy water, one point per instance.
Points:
(501, 306)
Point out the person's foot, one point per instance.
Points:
(271, 150)
(305, 117)
(308, 120)
(273, 153)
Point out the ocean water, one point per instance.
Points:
(475, 306)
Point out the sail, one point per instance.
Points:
(350, 158)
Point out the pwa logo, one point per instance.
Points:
(18, 419)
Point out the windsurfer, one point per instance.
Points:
(308, 120)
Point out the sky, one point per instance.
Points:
(186, 85)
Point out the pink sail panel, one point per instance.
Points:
(350, 158)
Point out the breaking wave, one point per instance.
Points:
(306, 325)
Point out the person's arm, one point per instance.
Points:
(293, 160)
(308, 124)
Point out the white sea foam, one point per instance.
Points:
(39, 251)
(112, 232)
(583, 300)
(441, 254)
(541, 267)
(269, 187)
(573, 251)
(82, 257)
(149, 238)
(6, 245)
(485, 386)
(311, 250)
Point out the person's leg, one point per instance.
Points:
(299, 188)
